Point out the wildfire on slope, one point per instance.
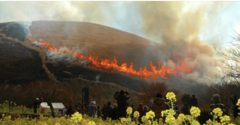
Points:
(105, 64)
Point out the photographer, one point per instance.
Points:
(122, 96)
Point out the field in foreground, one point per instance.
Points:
(170, 118)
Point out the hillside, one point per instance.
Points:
(24, 63)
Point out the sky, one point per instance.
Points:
(129, 15)
(193, 30)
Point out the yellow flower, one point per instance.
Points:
(76, 117)
(149, 122)
(163, 113)
(171, 96)
(209, 122)
(195, 111)
(238, 103)
(170, 119)
(8, 117)
(144, 118)
(194, 122)
(218, 112)
(136, 114)
(225, 118)
(181, 117)
(172, 112)
(188, 117)
(57, 123)
(150, 114)
(129, 119)
(123, 120)
(91, 123)
(129, 110)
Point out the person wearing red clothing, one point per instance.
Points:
(140, 110)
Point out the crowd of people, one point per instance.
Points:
(158, 105)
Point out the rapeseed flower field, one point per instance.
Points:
(148, 119)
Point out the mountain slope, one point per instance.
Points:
(23, 63)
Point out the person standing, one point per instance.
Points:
(114, 114)
(140, 110)
(65, 110)
(36, 104)
(193, 101)
(159, 105)
(69, 111)
(99, 111)
(107, 111)
(133, 110)
(122, 96)
(185, 109)
(92, 109)
(145, 110)
(216, 104)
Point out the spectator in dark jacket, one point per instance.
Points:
(36, 105)
(114, 114)
(107, 111)
(133, 110)
(193, 101)
(185, 109)
(98, 111)
(69, 111)
(145, 110)
(122, 97)
(216, 104)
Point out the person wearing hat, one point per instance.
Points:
(216, 104)
(92, 109)
(36, 105)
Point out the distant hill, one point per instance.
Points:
(24, 63)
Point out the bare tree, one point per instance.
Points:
(149, 92)
(231, 59)
(45, 89)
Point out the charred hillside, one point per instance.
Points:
(65, 71)
(22, 63)
(18, 63)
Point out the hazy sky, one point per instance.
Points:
(218, 19)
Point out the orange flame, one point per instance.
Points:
(105, 64)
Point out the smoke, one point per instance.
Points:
(178, 31)
(189, 31)
(98, 77)
(62, 54)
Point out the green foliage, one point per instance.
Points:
(13, 108)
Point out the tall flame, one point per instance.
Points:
(105, 64)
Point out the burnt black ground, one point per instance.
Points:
(19, 64)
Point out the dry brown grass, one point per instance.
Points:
(102, 41)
